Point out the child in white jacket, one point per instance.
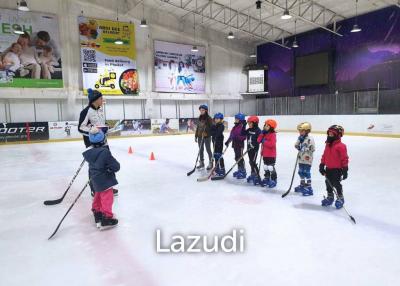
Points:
(306, 146)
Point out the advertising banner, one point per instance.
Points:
(188, 125)
(28, 131)
(30, 55)
(107, 66)
(64, 130)
(178, 69)
(135, 127)
(165, 126)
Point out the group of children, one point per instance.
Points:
(334, 161)
(103, 166)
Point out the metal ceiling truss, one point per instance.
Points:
(310, 12)
(241, 21)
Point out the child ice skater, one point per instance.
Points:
(252, 134)
(237, 138)
(268, 140)
(306, 147)
(102, 169)
(217, 135)
(334, 165)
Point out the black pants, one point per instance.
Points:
(218, 154)
(270, 174)
(253, 160)
(238, 154)
(334, 176)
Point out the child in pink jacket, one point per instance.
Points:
(268, 150)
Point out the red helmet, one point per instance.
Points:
(253, 119)
(272, 123)
(337, 130)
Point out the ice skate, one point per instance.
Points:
(107, 223)
(327, 201)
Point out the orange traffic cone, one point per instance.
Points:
(152, 158)
(130, 151)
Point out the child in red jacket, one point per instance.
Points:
(268, 150)
(336, 161)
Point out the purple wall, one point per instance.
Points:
(359, 60)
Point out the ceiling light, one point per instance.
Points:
(23, 6)
(253, 55)
(295, 45)
(194, 49)
(18, 31)
(355, 29)
(286, 15)
(143, 23)
(230, 35)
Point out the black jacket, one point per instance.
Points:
(252, 135)
(217, 136)
(85, 134)
(102, 168)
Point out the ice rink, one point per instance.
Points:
(290, 241)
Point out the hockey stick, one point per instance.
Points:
(294, 172)
(206, 178)
(198, 154)
(55, 202)
(230, 170)
(337, 196)
(76, 199)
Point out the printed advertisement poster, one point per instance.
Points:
(178, 69)
(256, 81)
(188, 125)
(25, 131)
(64, 130)
(165, 126)
(135, 127)
(31, 58)
(107, 66)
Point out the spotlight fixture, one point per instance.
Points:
(143, 23)
(295, 45)
(286, 15)
(253, 55)
(355, 29)
(194, 49)
(258, 4)
(22, 6)
(118, 42)
(18, 31)
(230, 35)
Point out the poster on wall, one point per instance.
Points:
(64, 130)
(135, 127)
(165, 126)
(30, 55)
(24, 131)
(188, 125)
(256, 81)
(107, 66)
(178, 69)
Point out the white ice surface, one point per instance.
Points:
(291, 241)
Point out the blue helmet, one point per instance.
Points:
(96, 138)
(203, 106)
(240, 116)
(218, 115)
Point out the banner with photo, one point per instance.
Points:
(188, 125)
(64, 130)
(107, 66)
(165, 126)
(30, 55)
(178, 69)
(135, 127)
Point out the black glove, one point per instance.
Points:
(322, 169)
(227, 143)
(345, 174)
(195, 139)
